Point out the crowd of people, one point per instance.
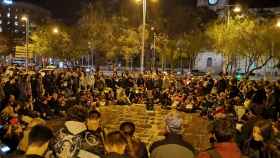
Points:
(244, 114)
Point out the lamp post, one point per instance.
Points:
(26, 20)
(144, 2)
(55, 30)
(143, 36)
(278, 23)
(154, 47)
(236, 9)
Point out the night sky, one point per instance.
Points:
(68, 10)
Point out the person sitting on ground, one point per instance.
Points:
(122, 98)
(68, 139)
(225, 147)
(39, 138)
(115, 145)
(135, 148)
(23, 144)
(93, 137)
(54, 104)
(173, 145)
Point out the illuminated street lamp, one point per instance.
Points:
(278, 23)
(143, 31)
(26, 20)
(55, 30)
(236, 9)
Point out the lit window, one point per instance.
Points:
(8, 15)
(0, 21)
(16, 31)
(1, 30)
(16, 23)
(8, 22)
(16, 17)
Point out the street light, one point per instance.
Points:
(26, 20)
(144, 2)
(55, 30)
(278, 23)
(154, 47)
(237, 9)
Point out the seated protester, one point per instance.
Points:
(165, 100)
(93, 137)
(135, 148)
(68, 139)
(149, 100)
(27, 108)
(122, 98)
(173, 146)
(38, 142)
(43, 107)
(115, 145)
(256, 146)
(187, 105)
(23, 144)
(39, 138)
(62, 105)
(13, 133)
(78, 135)
(11, 108)
(225, 147)
(54, 104)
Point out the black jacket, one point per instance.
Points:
(114, 155)
(172, 144)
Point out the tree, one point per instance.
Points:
(248, 38)
(190, 45)
(261, 46)
(162, 49)
(111, 36)
(47, 43)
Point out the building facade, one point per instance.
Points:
(215, 63)
(209, 62)
(11, 22)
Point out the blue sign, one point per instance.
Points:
(213, 2)
(8, 2)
